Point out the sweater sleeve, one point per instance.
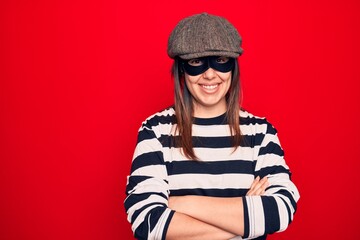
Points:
(147, 189)
(273, 211)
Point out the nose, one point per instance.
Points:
(209, 73)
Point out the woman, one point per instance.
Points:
(205, 168)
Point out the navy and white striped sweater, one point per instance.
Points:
(159, 170)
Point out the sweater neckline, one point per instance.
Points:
(218, 120)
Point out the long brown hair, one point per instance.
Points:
(184, 109)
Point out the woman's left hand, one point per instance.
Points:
(258, 186)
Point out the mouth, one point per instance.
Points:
(209, 87)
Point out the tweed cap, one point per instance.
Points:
(204, 35)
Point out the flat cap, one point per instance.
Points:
(204, 35)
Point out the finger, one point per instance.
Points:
(259, 184)
(265, 187)
(256, 180)
(261, 189)
(258, 187)
(253, 185)
(263, 180)
(249, 193)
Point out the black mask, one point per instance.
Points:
(198, 66)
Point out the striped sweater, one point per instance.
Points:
(159, 170)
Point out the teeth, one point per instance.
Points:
(210, 86)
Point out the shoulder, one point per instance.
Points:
(256, 123)
(165, 116)
(247, 118)
(160, 122)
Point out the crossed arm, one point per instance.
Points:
(201, 217)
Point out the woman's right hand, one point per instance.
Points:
(258, 186)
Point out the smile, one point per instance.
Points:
(210, 87)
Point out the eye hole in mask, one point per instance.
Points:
(198, 66)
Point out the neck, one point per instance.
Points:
(201, 111)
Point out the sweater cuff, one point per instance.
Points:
(167, 223)
(246, 218)
(254, 222)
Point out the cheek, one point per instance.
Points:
(190, 84)
(226, 77)
(191, 79)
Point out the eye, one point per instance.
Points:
(222, 60)
(195, 62)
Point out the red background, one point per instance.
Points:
(77, 78)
